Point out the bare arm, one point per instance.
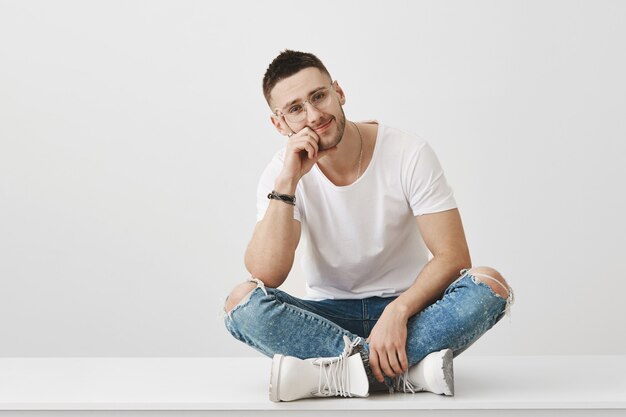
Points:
(272, 248)
(444, 236)
(271, 251)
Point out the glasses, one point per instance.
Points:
(297, 112)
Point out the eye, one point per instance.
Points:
(319, 96)
(295, 109)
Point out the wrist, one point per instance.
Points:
(399, 309)
(285, 198)
(285, 185)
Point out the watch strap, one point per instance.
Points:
(286, 198)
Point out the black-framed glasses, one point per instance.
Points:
(297, 112)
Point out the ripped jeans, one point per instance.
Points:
(272, 321)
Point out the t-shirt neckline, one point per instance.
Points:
(369, 166)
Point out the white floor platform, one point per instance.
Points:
(500, 385)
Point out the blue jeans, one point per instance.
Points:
(272, 321)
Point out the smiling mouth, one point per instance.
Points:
(324, 126)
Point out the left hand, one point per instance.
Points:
(387, 343)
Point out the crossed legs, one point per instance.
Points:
(272, 321)
(485, 274)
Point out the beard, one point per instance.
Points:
(341, 127)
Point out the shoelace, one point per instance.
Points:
(334, 372)
(407, 386)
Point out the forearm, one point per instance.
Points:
(430, 285)
(270, 253)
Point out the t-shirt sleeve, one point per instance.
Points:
(426, 185)
(266, 185)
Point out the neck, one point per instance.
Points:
(344, 162)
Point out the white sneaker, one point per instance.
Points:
(293, 378)
(434, 373)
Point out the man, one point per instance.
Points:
(371, 202)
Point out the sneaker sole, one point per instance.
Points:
(274, 378)
(448, 372)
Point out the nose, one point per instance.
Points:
(312, 114)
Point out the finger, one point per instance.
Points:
(305, 144)
(303, 149)
(310, 150)
(404, 361)
(311, 133)
(305, 141)
(374, 366)
(314, 145)
(308, 134)
(392, 356)
(383, 361)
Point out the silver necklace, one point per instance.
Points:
(358, 173)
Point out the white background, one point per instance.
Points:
(133, 133)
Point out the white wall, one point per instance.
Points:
(132, 135)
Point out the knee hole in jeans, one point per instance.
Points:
(239, 295)
(493, 279)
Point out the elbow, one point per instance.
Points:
(271, 268)
(271, 277)
(463, 263)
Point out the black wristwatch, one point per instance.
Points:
(289, 199)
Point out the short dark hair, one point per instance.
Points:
(286, 64)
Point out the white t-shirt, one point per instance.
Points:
(362, 240)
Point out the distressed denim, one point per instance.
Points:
(272, 321)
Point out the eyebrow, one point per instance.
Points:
(297, 100)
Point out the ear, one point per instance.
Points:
(281, 125)
(340, 93)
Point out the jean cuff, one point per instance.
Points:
(365, 357)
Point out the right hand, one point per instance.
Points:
(302, 153)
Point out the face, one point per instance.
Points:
(329, 121)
